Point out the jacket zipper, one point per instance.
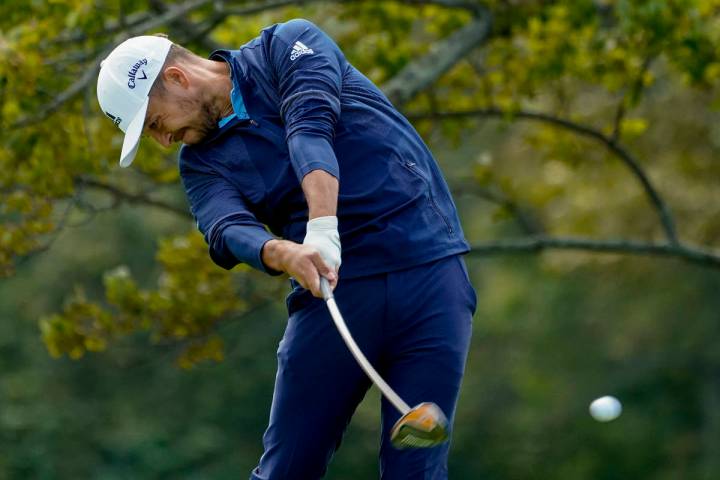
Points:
(411, 166)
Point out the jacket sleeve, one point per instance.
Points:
(308, 68)
(231, 231)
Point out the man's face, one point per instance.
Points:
(179, 115)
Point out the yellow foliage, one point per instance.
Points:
(633, 127)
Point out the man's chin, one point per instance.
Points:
(191, 137)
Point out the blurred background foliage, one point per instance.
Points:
(580, 138)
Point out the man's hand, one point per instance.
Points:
(303, 262)
(320, 252)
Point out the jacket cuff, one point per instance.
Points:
(312, 152)
(245, 244)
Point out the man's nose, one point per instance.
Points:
(164, 139)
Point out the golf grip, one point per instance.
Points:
(386, 390)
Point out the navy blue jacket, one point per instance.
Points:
(300, 106)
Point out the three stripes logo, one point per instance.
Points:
(300, 49)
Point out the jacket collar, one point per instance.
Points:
(236, 75)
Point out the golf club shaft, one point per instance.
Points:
(386, 390)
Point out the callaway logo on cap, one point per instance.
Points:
(124, 82)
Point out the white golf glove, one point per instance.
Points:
(322, 233)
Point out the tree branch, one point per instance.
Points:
(133, 198)
(185, 30)
(114, 25)
(527, 221)
(92, 69)
(226, 12)
(613, 146)
(539, 243)
(140, 23)
(54, 235)
(111, 26)
(473, 6)
(259, 7)
(418, 75)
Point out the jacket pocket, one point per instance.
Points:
(415, 170)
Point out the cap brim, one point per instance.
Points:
(132, 136)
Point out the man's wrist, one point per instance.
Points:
(323, 223)
(273, 254)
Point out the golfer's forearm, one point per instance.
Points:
(321, 192)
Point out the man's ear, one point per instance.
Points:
(175, 76)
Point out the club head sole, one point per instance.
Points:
(424, 426)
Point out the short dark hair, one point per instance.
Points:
(176, 53)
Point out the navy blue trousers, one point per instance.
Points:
(414, 326)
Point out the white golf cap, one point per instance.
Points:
(124, 82)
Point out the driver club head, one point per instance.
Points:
(424, 426)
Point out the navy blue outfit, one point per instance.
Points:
(301, 106)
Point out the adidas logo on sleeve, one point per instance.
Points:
(299, 49)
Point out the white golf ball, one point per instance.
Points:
(605, 409)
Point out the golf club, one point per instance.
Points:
(422, 426)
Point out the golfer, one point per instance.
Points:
(294, 162)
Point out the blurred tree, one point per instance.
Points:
(583, 125)
(446, 63)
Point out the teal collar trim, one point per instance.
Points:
(225, 120)
(236, 76)
(238, 106)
